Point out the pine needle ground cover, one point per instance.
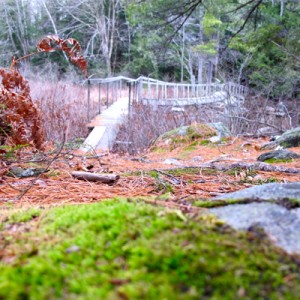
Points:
(128, 250)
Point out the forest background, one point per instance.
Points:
(255, 43)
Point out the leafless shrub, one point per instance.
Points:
(252, 116)
(63, 106)
(145, 124)
(260, 116)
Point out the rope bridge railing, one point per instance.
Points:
(102, 92)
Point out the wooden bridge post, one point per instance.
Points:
(114, 92)
(129, 84)
(107, 91)
(174, 91)
(148, 89)
(99, 98)
(89, 101)
(121, 86)
(140, 89)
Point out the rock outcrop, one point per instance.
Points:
(290, 138)
(280, 155)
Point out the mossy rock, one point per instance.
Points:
(278, 156)
(290, 138)
(221, 129)
(269, 191)
(122, 250)
(186, 135)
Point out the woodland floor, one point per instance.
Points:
(145, 175)
(121, 249)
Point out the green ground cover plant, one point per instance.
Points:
(121, 250)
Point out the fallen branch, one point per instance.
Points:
(172, 178)
(87, 176)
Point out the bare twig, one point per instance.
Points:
(286, 51)
(254, 122)
(174, 179)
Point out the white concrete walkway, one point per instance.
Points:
(106, 126)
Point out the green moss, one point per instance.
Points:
(218, 203)
(121, 250)
(193, 134)
(157, 149)
(233, 171)
(153, 174)
(204, 142)
(288, 203)
(188, 135)
(237, 171)
(192, 170)
(191, 147)
(166, 187)
(264, 181)
(166, 196)
(171, 133)
(274, 160)
(24, 215)
(53, 173)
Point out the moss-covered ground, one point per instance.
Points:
(122, 250)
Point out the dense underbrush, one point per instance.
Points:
(253, 116)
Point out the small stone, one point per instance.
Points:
(22, 173)
(73, 249)
(172, 161)
(197, 158)
(257, 177)
(215, 139)
(221, 129)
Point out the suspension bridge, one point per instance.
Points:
(110, 101)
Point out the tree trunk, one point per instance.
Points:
(200, 57)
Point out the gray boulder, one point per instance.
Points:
(263, 217)
(290, 138)
(23, 173)
(221, 129)
(172, 161)
(281, 225)
(269, 191)
(278, 155)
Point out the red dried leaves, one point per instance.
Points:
(70, 46)
(19, 110)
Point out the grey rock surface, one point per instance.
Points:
(281, 225)
(269, 191)
(23, 173)
(180, 131)
(172, 161)
(278, 154)
(290, 138)
(221, 129)
(197, 159)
